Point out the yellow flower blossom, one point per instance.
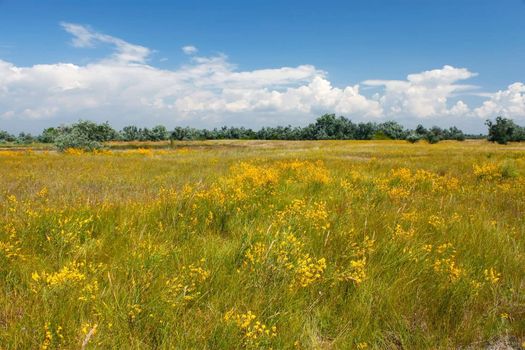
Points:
(185, 287)
(253, 331)
(492, 276)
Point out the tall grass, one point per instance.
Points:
(283, 245)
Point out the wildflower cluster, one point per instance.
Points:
(301, 214)
(308, 271)
(69, 274)
(306, 172)
(487, 171)
(286, 254)
(253, 176)
(79, 278)
(255, 256)
(400, 232)
(305, 270)
(102, 152)
(89, 329)
(52, 336)
(402, 182)
(492, 276)
(74, 151)
(90, 291)
(12, 203)
(147, 249)
(186, 286)
(445, 262)
(70, 231)
(254, 333)
(143, 151)
(11, 247)
(356, 264)
(215, 194)
(437, 222)
(134, 310)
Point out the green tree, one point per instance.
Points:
(85, 135)
(413, 137)
(49, 135)
(24, 138)
(434, 135)
(393, 130)
(503, 131)
(76, 138)
(130, 133)
(6, 137)
(159, 133)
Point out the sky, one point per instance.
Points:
(206, 63)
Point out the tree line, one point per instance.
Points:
(89, 135)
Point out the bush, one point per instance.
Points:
(24, 139)
(6, 137)
(434, 135)
(49, 135)
(84, 135)
(380, 135)
(393, 130)
(95, 132)
(453, 133)
(432, 138)
(413, 137)
(130, 133)
(504, 130)
(78, 139)
(159, 133)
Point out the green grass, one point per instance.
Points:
(423, 246)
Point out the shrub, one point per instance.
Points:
(413, 137)
(454, 133)
(24, 138)
(49, 135)
(130, 133)
(380, 135)
(6, 137)
(84, 135)
(434, 135)
(393, 130)
(78, 139)
(432, 138)
(504, 130)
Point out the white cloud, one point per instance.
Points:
(210, 91)
(189, 50)
(124, 51)
(509, 103)
(425, 94)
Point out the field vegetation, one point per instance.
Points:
(264, 244)
(89, 135)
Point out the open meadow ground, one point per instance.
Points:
(256, 245)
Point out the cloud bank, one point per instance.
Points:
(125, 88)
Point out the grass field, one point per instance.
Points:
(252, 244)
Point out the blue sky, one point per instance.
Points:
(346, 43)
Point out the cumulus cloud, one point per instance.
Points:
(209, 91)
(425, 94)
(189, 50)
(509, 103)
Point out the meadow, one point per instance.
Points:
(263, 244)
